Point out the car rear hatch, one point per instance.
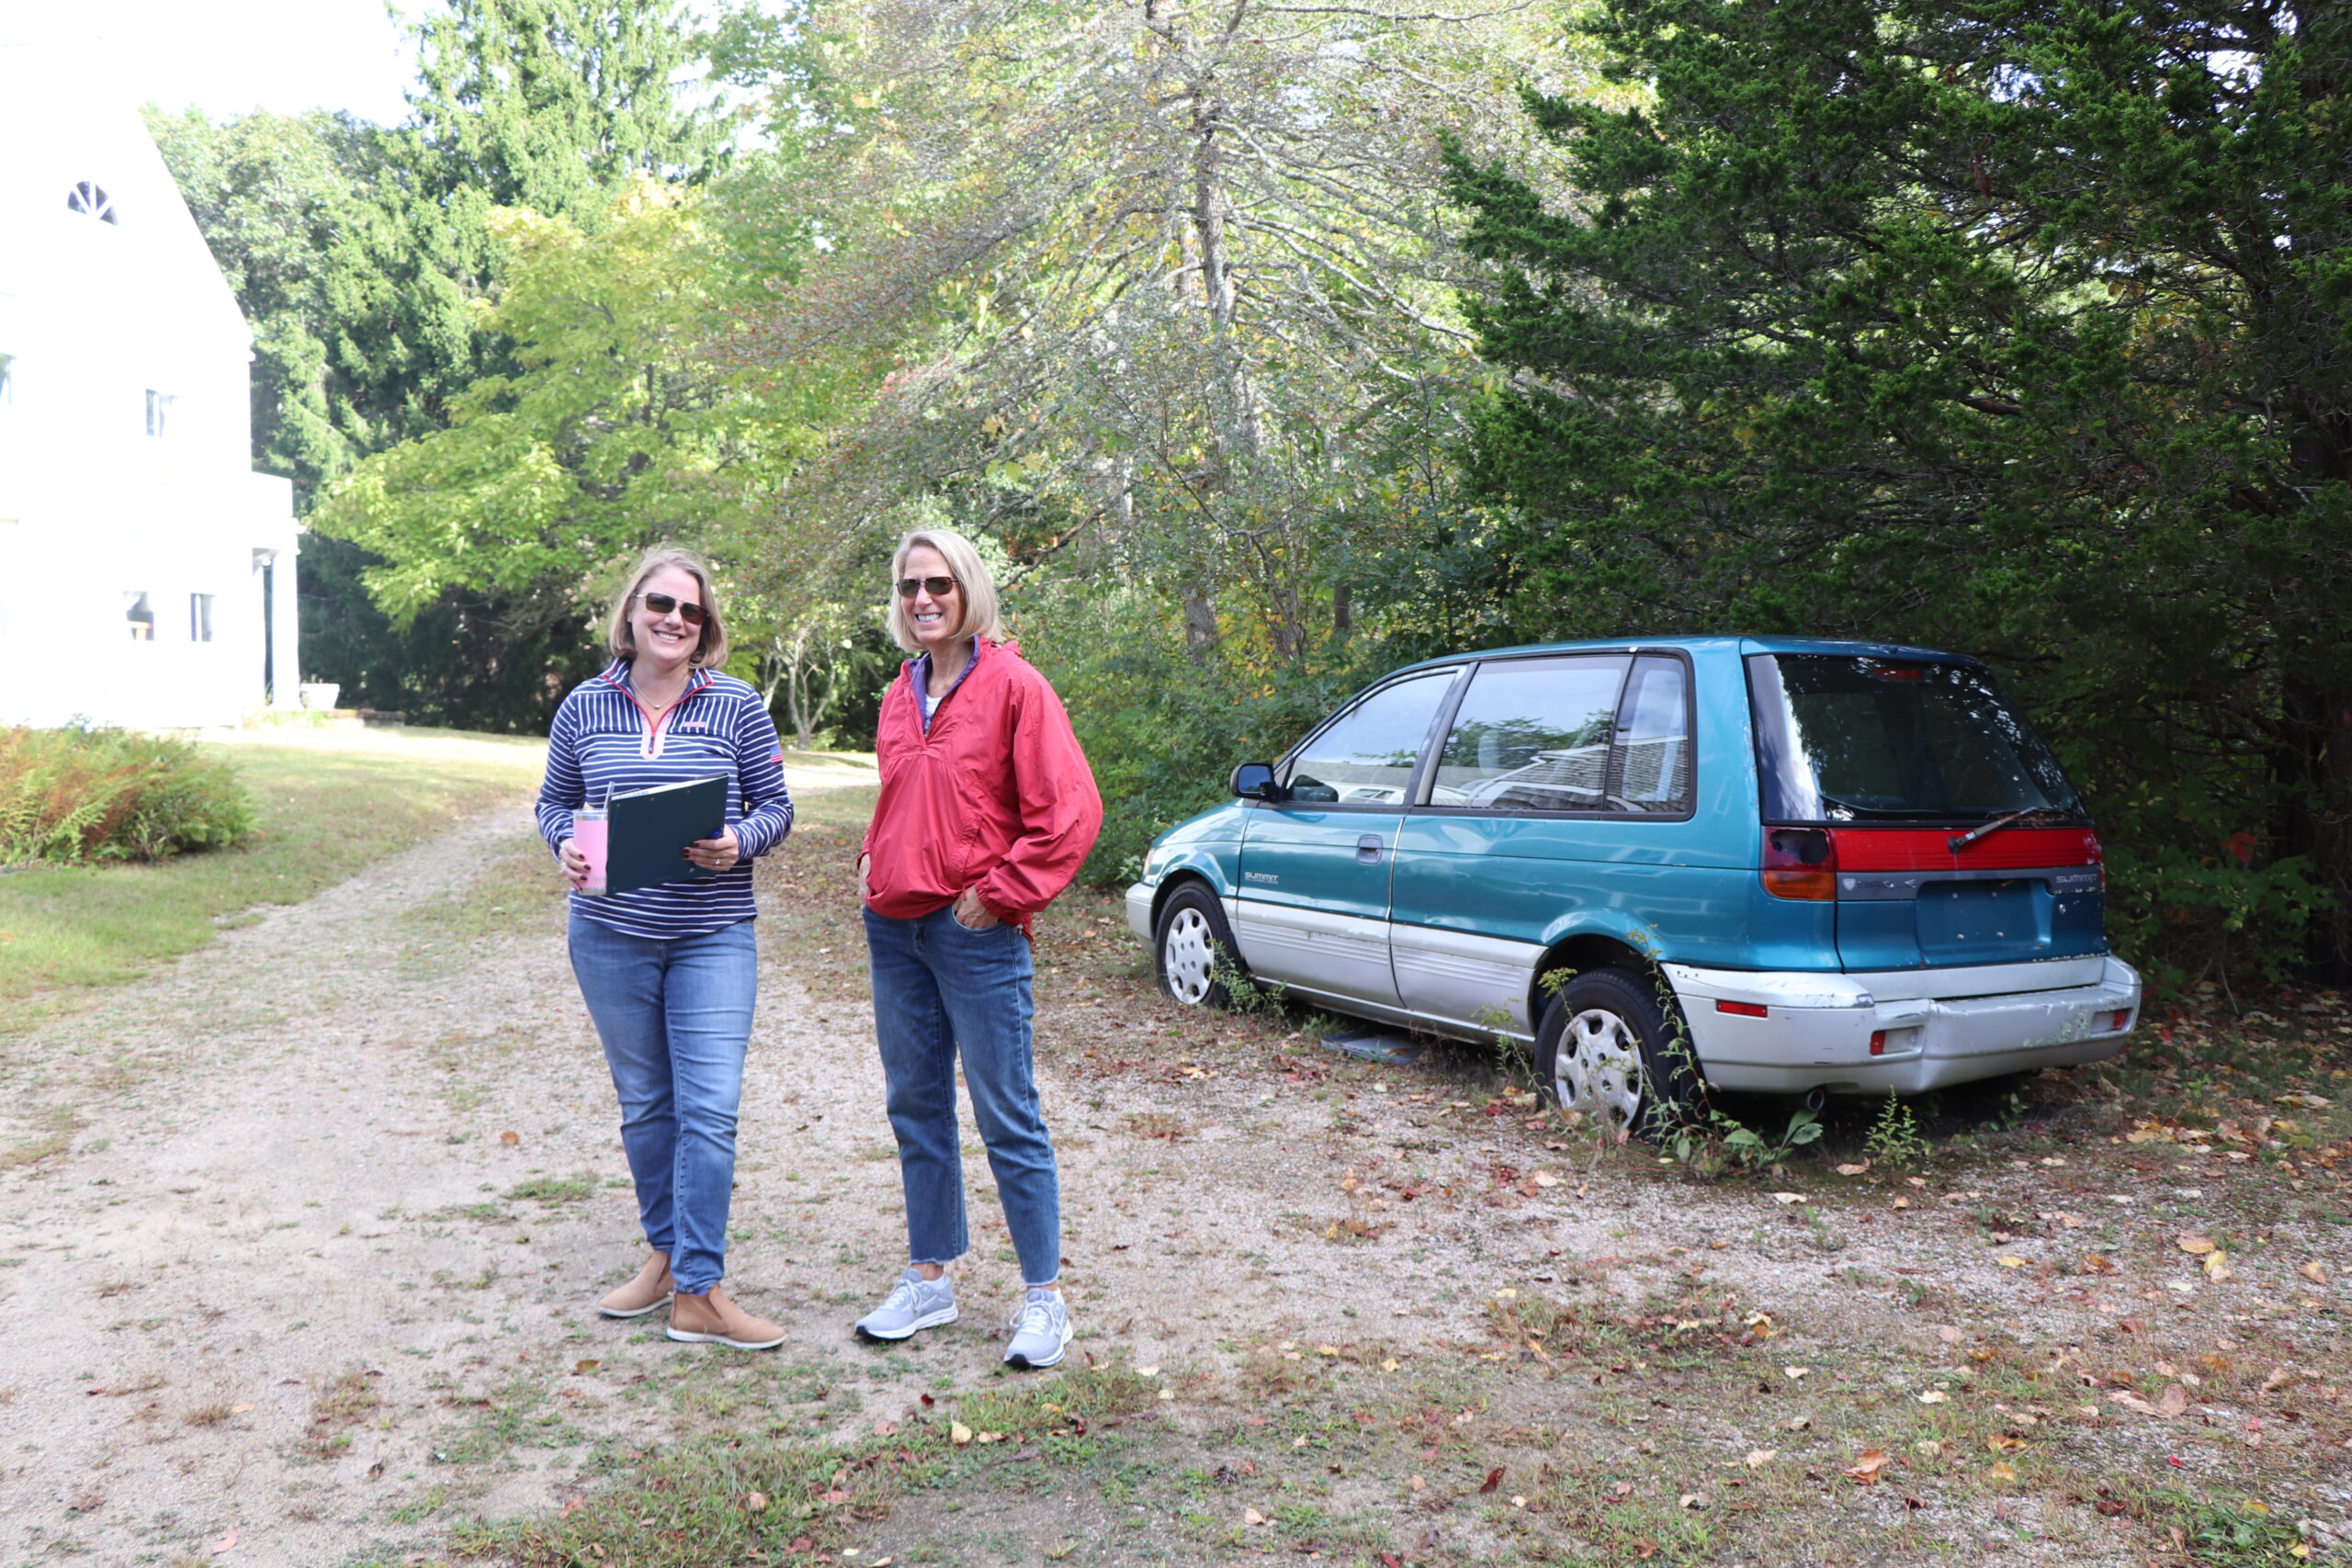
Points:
(1911, 792)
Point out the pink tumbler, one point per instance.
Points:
(589, 828)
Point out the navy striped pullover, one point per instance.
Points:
(602, 743)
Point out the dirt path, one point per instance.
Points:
(312, 1284)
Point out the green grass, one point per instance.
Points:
(324, 814)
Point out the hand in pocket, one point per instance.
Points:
(971, 914)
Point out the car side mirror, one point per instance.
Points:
(1255, 780)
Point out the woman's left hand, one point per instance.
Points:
(973, 915)
(715, 854)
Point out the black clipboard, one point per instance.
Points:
(649, 828)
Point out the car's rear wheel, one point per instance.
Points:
(1606, 1046)
(1195, 949)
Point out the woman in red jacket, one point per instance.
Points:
(988, 808)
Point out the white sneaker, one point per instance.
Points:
(1041, 1331)
(914, 1302)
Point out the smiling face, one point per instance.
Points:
(933, 618)
(665, 642)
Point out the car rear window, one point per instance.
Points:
(1840, 738)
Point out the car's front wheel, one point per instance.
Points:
(1608, 1047)
(1195, 949)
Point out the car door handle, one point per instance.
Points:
(1368, 850)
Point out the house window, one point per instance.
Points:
(199, 617)
(159, 411)
(89, 196)
(141, 616)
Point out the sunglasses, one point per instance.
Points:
(937, 587)
(662, 604)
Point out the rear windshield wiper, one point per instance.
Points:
(1960, 842)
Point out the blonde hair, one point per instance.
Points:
(971, 573)
(711, 649)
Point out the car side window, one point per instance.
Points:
(1368, 755)
(1534, 735)
(1653, 761)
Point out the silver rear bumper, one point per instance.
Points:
(1817, 1031)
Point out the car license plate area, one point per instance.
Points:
(1982, 920)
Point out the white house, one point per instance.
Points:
(146, 571)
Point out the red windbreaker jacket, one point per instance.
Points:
(997, 796)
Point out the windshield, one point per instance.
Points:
(1846, 739)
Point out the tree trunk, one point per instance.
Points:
(2316, 765)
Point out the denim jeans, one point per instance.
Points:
(675, 1018)
(941, 989)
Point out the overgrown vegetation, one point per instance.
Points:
(74, 796)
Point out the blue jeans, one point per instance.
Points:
(941, 989)
(675, 1018)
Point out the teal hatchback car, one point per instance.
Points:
(1765, 865)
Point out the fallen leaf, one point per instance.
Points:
(1327, 1350)
(756, 1501)
(2010, 1262)
(1793, 1373)
(1758, 1458)
(885, 1429)
(2001, 1472)
(2280, 1378)
(582, 1368)
(226, 1542)
(1644, 1548)
(2098, 1263)
(2004, 1443)
(1797, 1422)
(1865, 1470)
(241, 1409)
(1419, 1484)
(1389, 1365)
(1494, 1479)
(1694, 1500)
(2217, 1267)
(1854, 1169)
(1154, 1371)
(2195, 1246)
(1902, 1204)
(1928, 1448)
(1934, 1396)
(958, 1433)
(1168, 1393)
(2172, 1402)
(510, 1137)
(1252, 1516)
(2315, 1271)
(1788, 1197)
(1949, 1334)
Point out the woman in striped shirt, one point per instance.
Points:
(669, 973)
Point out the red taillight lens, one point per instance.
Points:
(1878, 1042)
(1800, 863)
(2122, 1016)
(1745, 1010)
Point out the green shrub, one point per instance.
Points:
(77, 795)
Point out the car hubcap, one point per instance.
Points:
(1598, 1069)
(1187, 957)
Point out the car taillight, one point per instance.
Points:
(1800, 863)
(2122, 1016)
(1878, 1042)
(1745, 1010)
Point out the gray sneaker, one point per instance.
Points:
(1041, 1331)
(914, 1302)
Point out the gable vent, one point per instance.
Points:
(89, 197)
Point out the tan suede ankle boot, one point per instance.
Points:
(711, 1319)
(650, 1289)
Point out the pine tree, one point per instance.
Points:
(2014, 325)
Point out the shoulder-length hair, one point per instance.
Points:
(711, 651)
(981, 616)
